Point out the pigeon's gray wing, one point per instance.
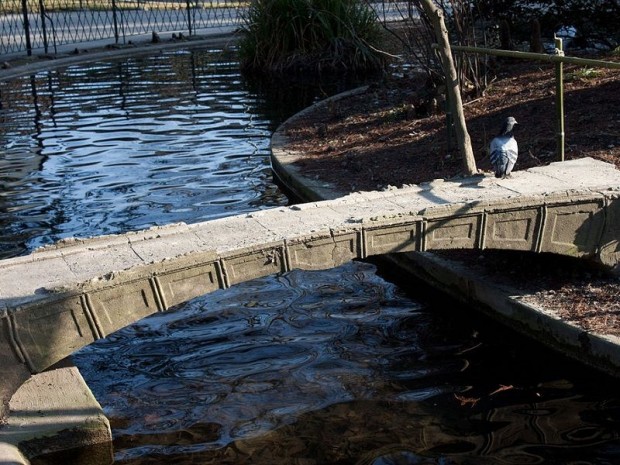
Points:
(504, 153)
(512, 153)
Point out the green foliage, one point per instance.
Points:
(309, 36)
(582, 74)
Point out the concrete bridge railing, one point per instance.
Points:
(63, 297)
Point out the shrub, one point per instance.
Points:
(282, 36)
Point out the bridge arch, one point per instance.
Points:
(68, 295)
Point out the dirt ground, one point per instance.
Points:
(380, 140)
(383, 137)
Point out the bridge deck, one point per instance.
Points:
(75, 261)
(65, 296)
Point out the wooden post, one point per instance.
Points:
(452, 85)
(449, 123)
(559, 100)
(536, 44)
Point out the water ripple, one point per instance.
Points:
(275, 372)
(101, 132)
(270, 360)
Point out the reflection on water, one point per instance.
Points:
(341, 367)
(117, 146)
(334, 367)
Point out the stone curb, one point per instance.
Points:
(53, 412)
(599, 351)
(503, 304)
(289, 176)
(10, 455)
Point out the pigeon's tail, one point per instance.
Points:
(499, 160)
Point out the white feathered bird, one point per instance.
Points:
(504, 150)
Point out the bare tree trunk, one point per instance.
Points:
(452, 85)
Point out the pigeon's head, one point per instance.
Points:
(508, 126)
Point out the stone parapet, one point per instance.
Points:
(65, 296)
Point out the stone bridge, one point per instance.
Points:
(65, 296)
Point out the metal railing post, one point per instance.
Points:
(559, 99)
(43, 26)
(189, 17)
(27, 27)
(115, 20)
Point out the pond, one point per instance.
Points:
(119, 146)
(332, 367)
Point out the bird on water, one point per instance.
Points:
(504, 150)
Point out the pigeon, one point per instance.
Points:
(504, 150)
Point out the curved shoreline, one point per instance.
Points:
(291, 178)
(598, 351)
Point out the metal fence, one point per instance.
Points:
(28, 25)
(44, 25)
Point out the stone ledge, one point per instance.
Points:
(10, 455)
(52, 410)
(502, 304)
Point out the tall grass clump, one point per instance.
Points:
(301, 36)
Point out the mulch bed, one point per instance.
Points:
(378, 137)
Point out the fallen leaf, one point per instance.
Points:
(502, 387)
(466, 400)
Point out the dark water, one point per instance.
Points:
(333, 367)
(342, 367)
